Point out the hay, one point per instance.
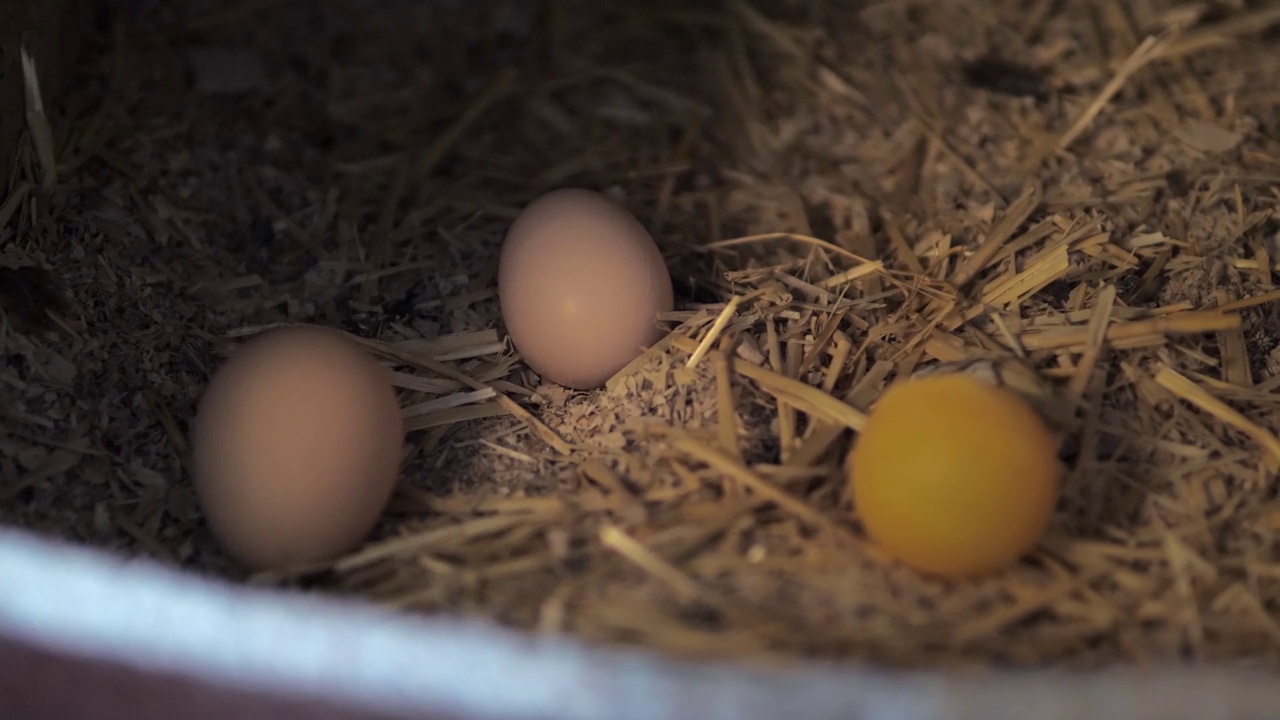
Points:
(1074, 203)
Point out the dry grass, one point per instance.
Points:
(846, 197)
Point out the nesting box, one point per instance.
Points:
(847, 196)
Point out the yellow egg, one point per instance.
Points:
(953, 476)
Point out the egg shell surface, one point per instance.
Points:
(580, 285)
(955, 477)
(296, 447)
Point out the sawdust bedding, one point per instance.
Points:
(846, 195)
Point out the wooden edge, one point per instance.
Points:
(108, 637)
(38, 684)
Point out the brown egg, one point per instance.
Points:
(581, 283)
(296, 447)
